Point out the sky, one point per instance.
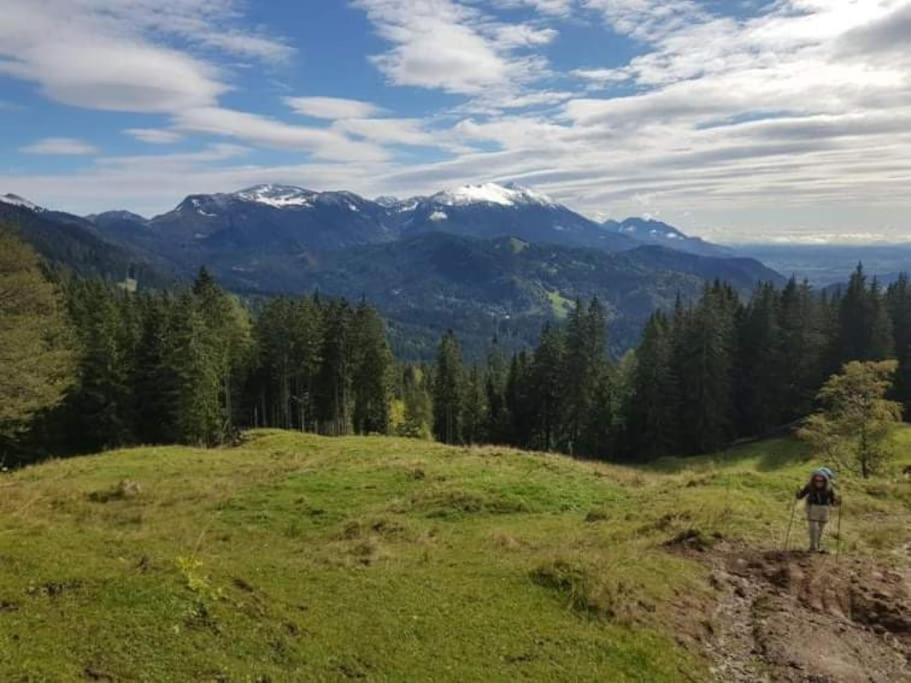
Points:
(737, 120)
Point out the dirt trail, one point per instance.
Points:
(800, 618)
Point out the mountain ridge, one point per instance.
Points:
(492, 268)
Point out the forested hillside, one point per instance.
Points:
(703, 376)
(196, 365)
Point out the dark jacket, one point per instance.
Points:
(817, 496)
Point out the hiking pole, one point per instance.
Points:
(787, 537)
(838, 533)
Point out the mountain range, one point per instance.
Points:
(482, 259)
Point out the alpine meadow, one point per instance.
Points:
(455, 340)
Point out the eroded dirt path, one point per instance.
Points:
(800, 618)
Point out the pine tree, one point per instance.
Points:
(585, 363)
(898, 303)
(448, 391)
(760, 364)
(706, 371)
(334, 383)
(655, 402)
(196, 403)
(230, 343)
(100, 406)
(519, 401)
(548, 386)
(474, 408)
(155, 382)
(865, 330)
(373, 366)
(497, 426)
(804, 347)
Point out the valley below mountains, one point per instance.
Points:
(483, 260)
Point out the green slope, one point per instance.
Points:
(297, 557)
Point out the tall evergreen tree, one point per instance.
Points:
(548, 387)
(474, 408)
(497, 427)
(898, 303)
(655, 402)
(448, 391)
(706, 371)
(760, 362)
(335, 379)
(520, 401)
(373, 367)
(585, 363)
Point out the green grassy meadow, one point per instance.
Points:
(296, 557)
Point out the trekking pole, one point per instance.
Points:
(838, 533)
(787, 537)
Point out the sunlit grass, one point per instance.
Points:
(296, 557)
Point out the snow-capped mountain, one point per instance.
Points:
(651, 231)
(266, 217)
(492, 210)
(492, 193)
(264, 222)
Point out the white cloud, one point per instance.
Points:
(60, 146)
(556, 8)
(82, 56)
(332, 108)
(446, 45)
(745, 122)
(154, 136)
(322, 143)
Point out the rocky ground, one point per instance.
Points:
(797, 617)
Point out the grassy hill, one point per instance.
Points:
(296, 557)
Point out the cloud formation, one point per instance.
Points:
(732, 119)
(60, 146)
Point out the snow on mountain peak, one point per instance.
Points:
(16, 200)
(492, 193)
(277, 196)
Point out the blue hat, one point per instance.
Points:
(824, 472)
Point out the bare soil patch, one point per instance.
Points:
(797, 617)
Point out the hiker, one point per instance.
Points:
(820, 495)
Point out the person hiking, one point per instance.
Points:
(821, 496)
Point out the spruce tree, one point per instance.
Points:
(585, 363)
(448, 391)
(655, 401)
(519, 401)
(474, 408)
(373, 367)
(497, 427)
(229, 338)
(197, 369)
(548, 388)
(760, 361)
(898, 303)
(334, 382)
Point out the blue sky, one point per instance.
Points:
(742, 120)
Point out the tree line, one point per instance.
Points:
(705, 374)
(89, 366)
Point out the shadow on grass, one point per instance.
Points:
(767, 456)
